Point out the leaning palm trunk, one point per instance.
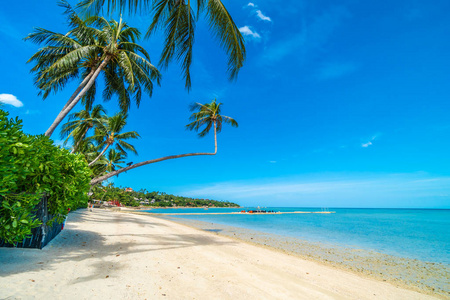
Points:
(79, 142)
(100, 155)
(147, 162)
(71, 105)
(49, 131)
(78, 90)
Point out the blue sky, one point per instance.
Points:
(339, 104)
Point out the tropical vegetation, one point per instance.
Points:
(31, 167)
(92, 46)
(206, 116)
(178, 20)
(128, 197)
(110, 133)
(80, 123)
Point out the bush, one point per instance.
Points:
(31, 166)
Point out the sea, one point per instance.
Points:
(422, 234)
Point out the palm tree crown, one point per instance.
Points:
(109, 163)
(110, 133)
(208, 115)
(178, 18)
(81, 122)
(92, 46)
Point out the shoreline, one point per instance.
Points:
(426, 277)
(115, 255)
(240, 213)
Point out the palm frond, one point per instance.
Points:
(226, 31)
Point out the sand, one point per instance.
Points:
(113, 255)
(426, 277)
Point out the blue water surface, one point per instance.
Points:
(422, 234)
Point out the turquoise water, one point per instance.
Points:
(422, 234)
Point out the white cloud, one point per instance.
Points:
(248, 32)
(369, 143)
(11, 100)
(260, 15)
(251, 4)
(273, 161)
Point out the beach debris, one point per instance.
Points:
(117, 255)
(107, 276)
(32, 280)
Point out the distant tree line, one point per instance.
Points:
(133, 198)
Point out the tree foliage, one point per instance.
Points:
(155, 199)
(177, 19)
(31, 166)
(208, 116)
(92, 47)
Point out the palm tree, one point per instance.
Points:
(109, 163)
(81, 122)
(207, 115)
(178, 18)
(110, 133)
(92, 46)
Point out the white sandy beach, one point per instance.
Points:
(112, 255)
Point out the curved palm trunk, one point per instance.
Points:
(71, 105)
(77, 91)
(80, 87)
(100, 155)
(147, 162)
(79, 142)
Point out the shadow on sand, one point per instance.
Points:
(76, 245)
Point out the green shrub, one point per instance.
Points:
(31, 166)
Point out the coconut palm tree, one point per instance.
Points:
(207, 116)
(93, 46)
(177, 18)
(81, 122)
(109, 163)
(109, 134)
(65, 56)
